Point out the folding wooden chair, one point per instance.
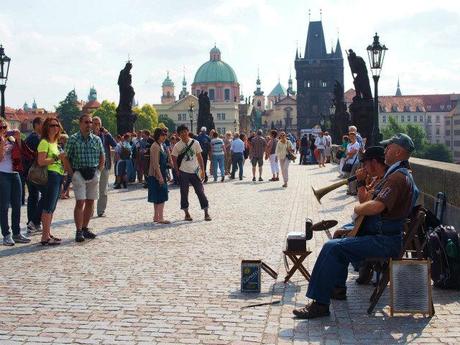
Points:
(411, 244)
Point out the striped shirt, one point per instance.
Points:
(217, 146)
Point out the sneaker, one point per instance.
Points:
(125, 185)
(339, 293)
(21, 239)
(8, 240)
(261, 179)
(79, 236)
(222, 179)
(365, 274)
(88, 234)
(32, 228)
(102, 214)
(253, 179)
(117, 186)
(312, 310)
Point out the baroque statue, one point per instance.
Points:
(125, 115)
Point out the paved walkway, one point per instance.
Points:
(140, 283)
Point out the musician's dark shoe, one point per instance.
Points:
(365, 275)
(339, 293)
(312, 310)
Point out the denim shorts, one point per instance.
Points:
(52, 192)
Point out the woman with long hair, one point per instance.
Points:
(50, 155)
(283, 147)
(10, 184)
(157, 183)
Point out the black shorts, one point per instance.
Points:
(257, 161)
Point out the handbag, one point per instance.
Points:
(37, 174)
(290, 155)
(348, 167)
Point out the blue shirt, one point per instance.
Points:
(237, 146)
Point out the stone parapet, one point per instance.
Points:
(433, 177)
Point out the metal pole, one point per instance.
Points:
(191, 122)
(2, 106)
(375, 128)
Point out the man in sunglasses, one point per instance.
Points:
(86, 155)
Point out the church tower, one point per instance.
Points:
(398, 90)
(316, 74)
(259, 98)
(184, 91)
(168, 91)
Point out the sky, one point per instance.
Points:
(58, 45)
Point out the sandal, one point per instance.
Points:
(50, 242)
(55, 238)
(207, 218)
(163, 222)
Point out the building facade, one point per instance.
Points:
(219, 80)
(316, 73)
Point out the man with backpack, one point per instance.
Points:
(190, 169)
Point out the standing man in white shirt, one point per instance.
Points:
(320, 143)
(237, 149)
(189, 166)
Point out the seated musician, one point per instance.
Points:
(380, 234)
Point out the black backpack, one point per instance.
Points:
(444, 251)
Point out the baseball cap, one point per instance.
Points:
(373, 152)
(402, 140)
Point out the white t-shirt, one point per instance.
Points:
(320, 142)
(351, 147)
(190, 162)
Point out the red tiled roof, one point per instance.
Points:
(92, 105)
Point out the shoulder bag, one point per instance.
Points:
(181, 156)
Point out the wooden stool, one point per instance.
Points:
(297, 258)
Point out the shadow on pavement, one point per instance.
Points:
(271, 189)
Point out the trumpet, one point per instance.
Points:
(319, 193)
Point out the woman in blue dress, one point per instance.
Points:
(158, 187)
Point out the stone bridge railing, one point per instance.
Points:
(433, 177)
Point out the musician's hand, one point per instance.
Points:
(361, 174)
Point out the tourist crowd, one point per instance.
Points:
(84, 160)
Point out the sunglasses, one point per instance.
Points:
(88, 122)
(3, 127)
(55, 125)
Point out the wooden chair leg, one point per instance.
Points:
(378, 291)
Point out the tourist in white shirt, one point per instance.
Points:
(353, 148)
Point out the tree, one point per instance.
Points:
(437, 152)
(147, 117)
(423, 149)
(68, 112)
(108, 114)
(167, 122)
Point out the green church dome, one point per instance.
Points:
(167, 81)
(215, 70)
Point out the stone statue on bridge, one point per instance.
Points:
(125, 115)
(205, 118)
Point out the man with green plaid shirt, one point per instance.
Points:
(86, 156)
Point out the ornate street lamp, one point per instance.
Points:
(332, 110)
(376, 53)
(4, 69)
(190, 112)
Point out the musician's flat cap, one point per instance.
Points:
(402, 140)
(373, 152)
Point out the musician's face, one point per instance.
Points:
(393, 154)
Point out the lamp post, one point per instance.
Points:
(235, 124)
(4, 69)
(376, 53)
(190, 112)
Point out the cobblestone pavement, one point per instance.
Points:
(140, 283)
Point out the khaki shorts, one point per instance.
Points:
(86, 190)
(257, 161)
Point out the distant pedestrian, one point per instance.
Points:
(53, 158)
(190, 169)
(304, 149)
(341, 154)
(85, 153)
(256, 153)
(123, 151)
(34, 206)
(352, 161)
(205, 143)
(228, 152)
(328, 147)
(284, 147)
(108, 142)
(237, 150)
(157, 183)
(271, 155)
(320, 143)
(217, 156)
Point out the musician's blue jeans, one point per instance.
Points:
(331, 267)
